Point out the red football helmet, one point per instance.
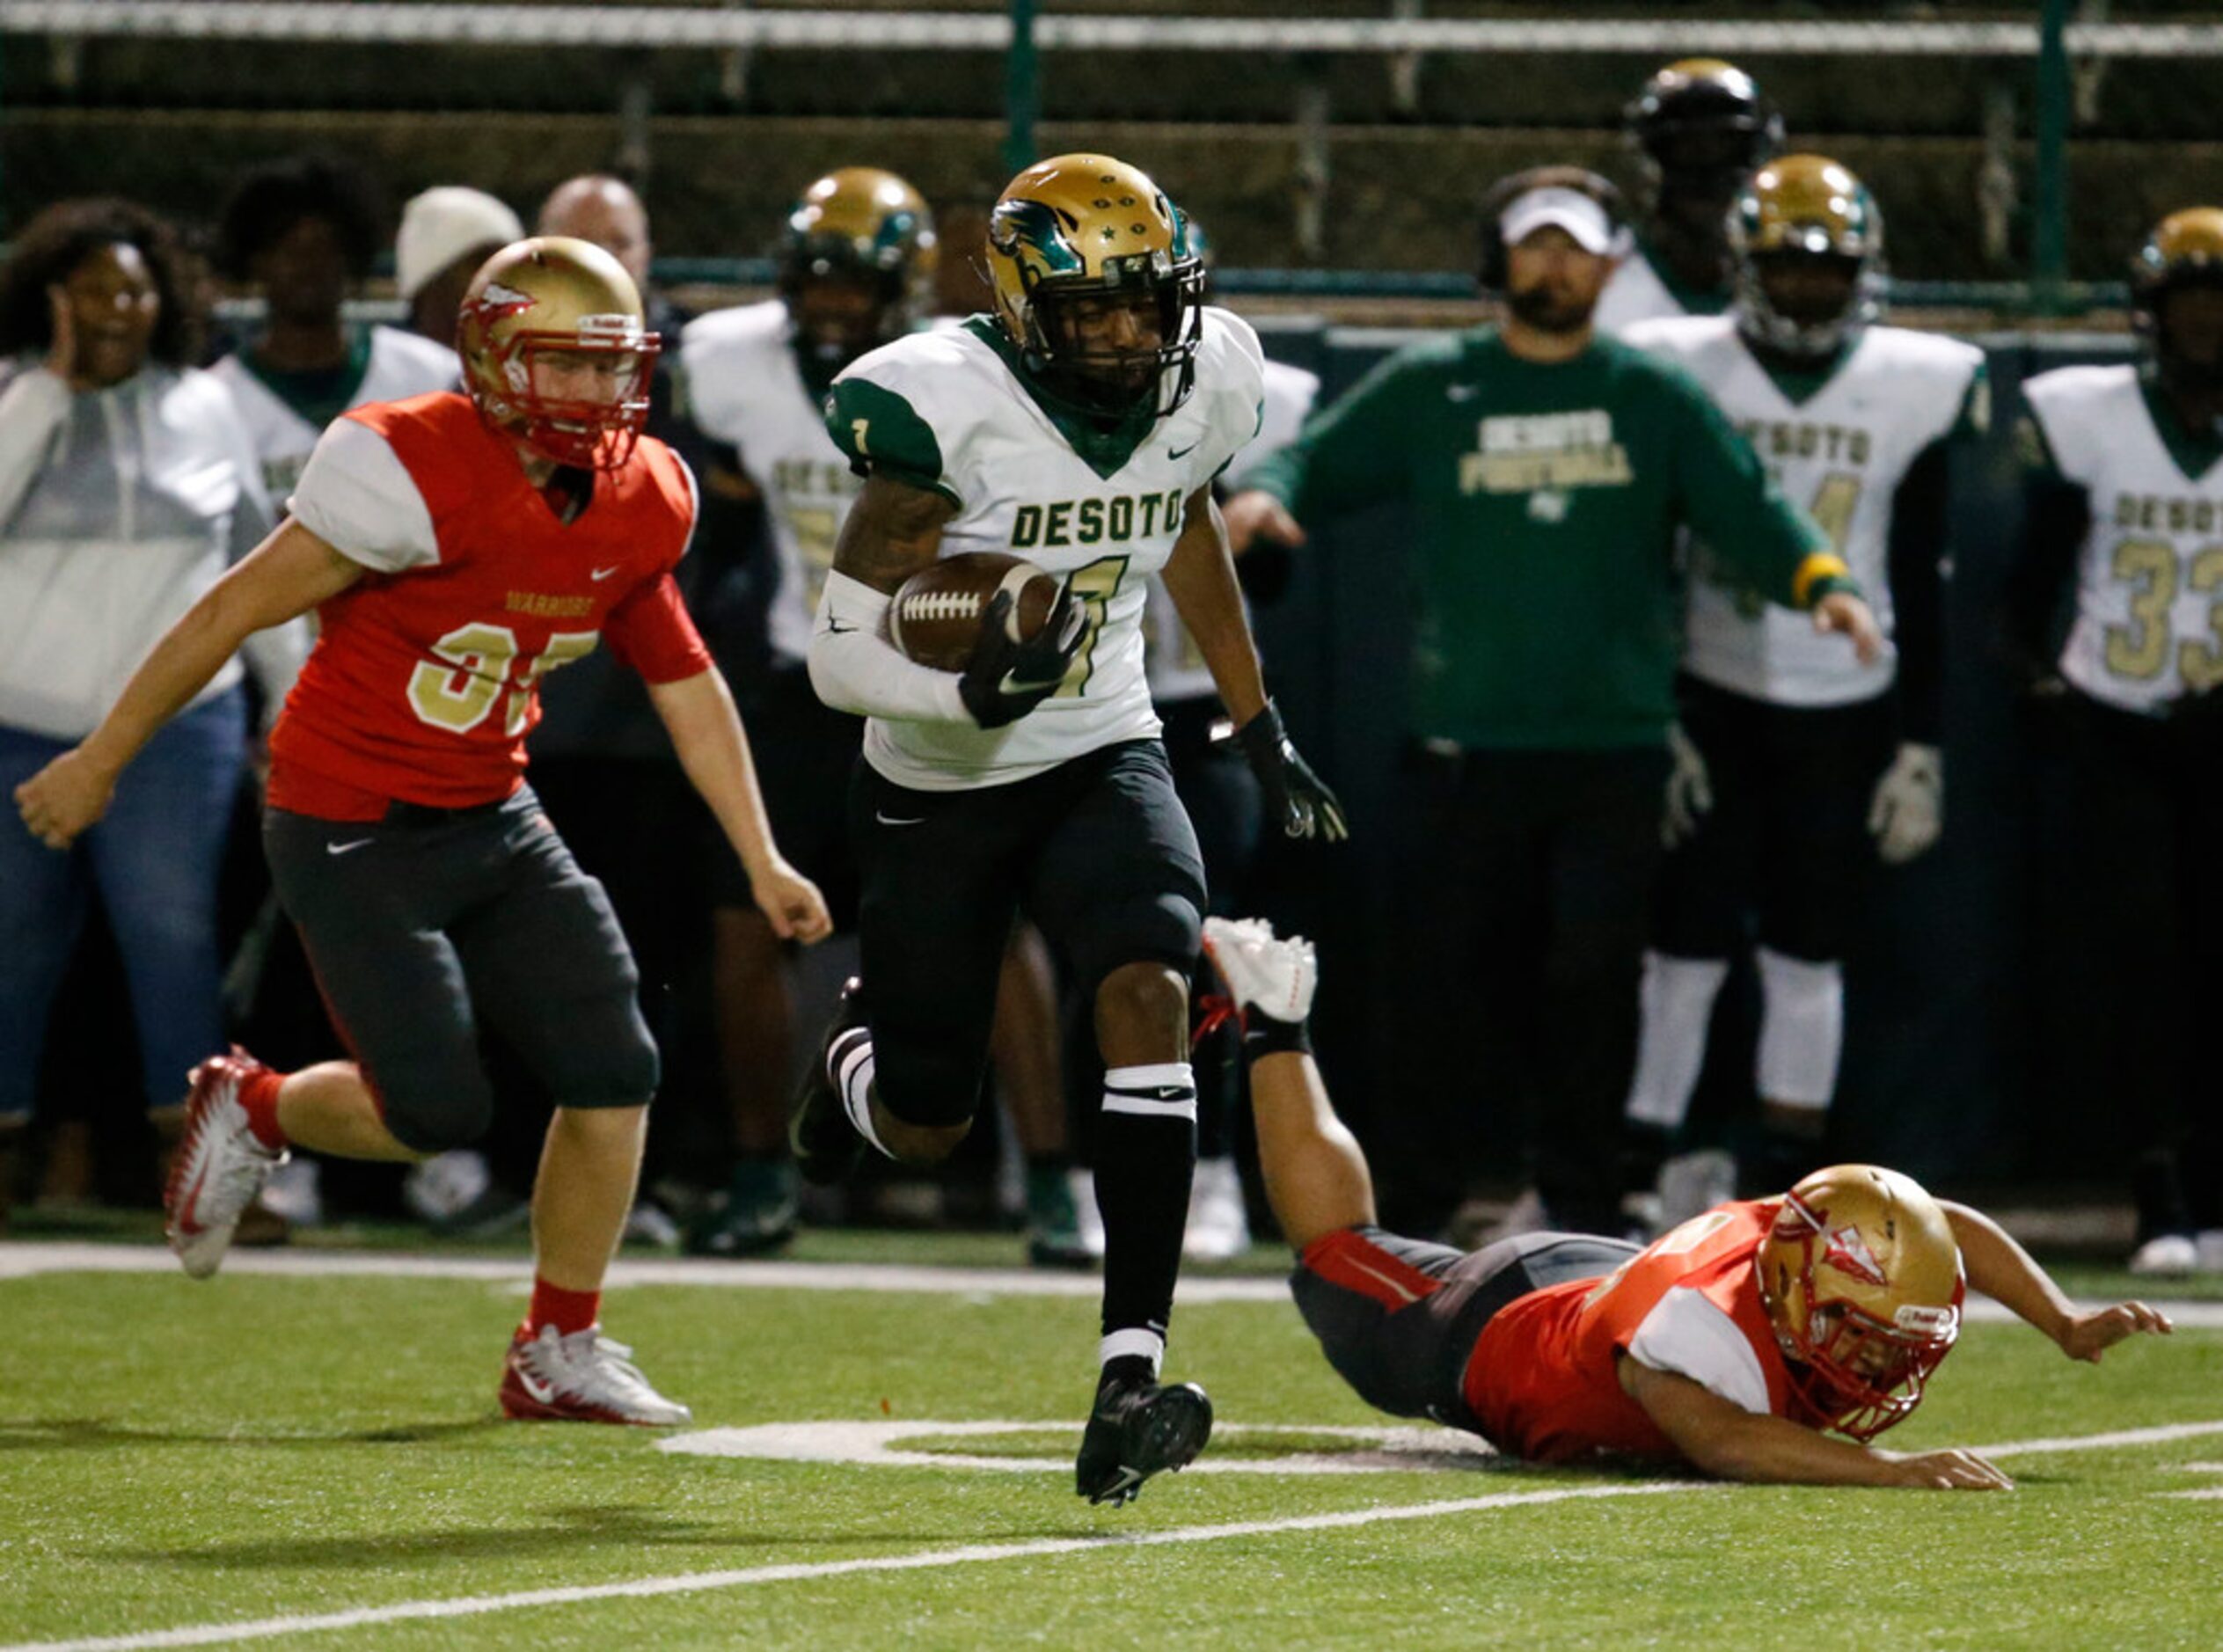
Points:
(1861, 1276)
(556, 352)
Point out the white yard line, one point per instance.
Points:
(691, 1583)
(21, 1260)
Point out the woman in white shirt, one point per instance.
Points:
(128, 485)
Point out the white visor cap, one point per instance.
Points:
(1570, 210)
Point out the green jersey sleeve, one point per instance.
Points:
(1726, 496)
(1352, 453)
(881, 432)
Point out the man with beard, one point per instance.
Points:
(1549, 472)
(1699, 129)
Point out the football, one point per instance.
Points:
(935, 617)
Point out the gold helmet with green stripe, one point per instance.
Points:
(1096, 287)
(2183, 253)
(857, 262)
(1807, 241)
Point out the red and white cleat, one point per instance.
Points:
(219, 1168)
(582, 1378)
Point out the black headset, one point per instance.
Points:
(1490, 273)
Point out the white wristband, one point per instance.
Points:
(855, 669)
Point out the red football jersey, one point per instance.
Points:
(425, 677)
(1542, 1378)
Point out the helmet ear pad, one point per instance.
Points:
(1490, 267)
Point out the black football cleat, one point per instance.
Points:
(1138, 1428)
(825, 1144)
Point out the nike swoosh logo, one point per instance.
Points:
(348, 848)
(537, 1388)
(890, 820)
(1180, 453)
(599, 574)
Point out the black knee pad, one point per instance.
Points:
(1163, 928)
(457, 1116)
(621, 1068)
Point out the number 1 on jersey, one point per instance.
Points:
(1094, 584)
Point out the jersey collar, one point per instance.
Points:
(1105, 451)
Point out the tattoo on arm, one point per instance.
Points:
(892, 531)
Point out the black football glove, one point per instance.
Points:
(1294, 795)
(1004, 680)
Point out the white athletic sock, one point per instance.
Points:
(1121, 1344)
(851, 1062)
(1801, 1030)
(1678, 1000)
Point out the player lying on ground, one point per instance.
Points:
(1735, 1343)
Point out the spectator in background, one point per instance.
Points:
(1791, 755)
(2124, 493)
(299, 234)
(1550, 473)
(446, 234)
(1699, 129)
(128, 485)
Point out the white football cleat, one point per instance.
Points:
(219, 1168)
(582, 1378)
(1218, 1226)
(1275, 977)
(2167, 1255)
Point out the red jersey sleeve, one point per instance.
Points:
(652, 632)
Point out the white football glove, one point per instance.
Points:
(1690, 793)
(1909, 809)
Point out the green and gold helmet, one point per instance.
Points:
(1079, 235)
(1700, 127)
(2184, 250)
(1807, 241)
(857, 262)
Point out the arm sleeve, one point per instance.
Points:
(1688, 1336)
(32, 409)
(1917, 563)
(652, 632)
(357, 497)
(1350, 454)
(854, 668)
(2056, 514)
(1727, 497)
(880, 432)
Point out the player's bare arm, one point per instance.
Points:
(1200, 577)
(1851, 617)
(2004, 1272)
(287, 574)
(699, 713)
(892, 531)
(1724, 1439)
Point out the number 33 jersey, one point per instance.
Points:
(2149, 582)
(948, 411)
(1839, 445)
(425, 677)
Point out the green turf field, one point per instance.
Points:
(278, 1450)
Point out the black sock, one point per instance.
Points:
(1145, 1153)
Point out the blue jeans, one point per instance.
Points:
(154, 859)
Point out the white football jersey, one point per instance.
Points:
(949, 402)
(399, 365)
(2149, 583)
(1175, 665)
(745, 387)
(1841, 453)
(1635, 292)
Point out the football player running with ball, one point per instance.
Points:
(455, 548)
(1792, 752)
(1079, 427)
(1739, 1342)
